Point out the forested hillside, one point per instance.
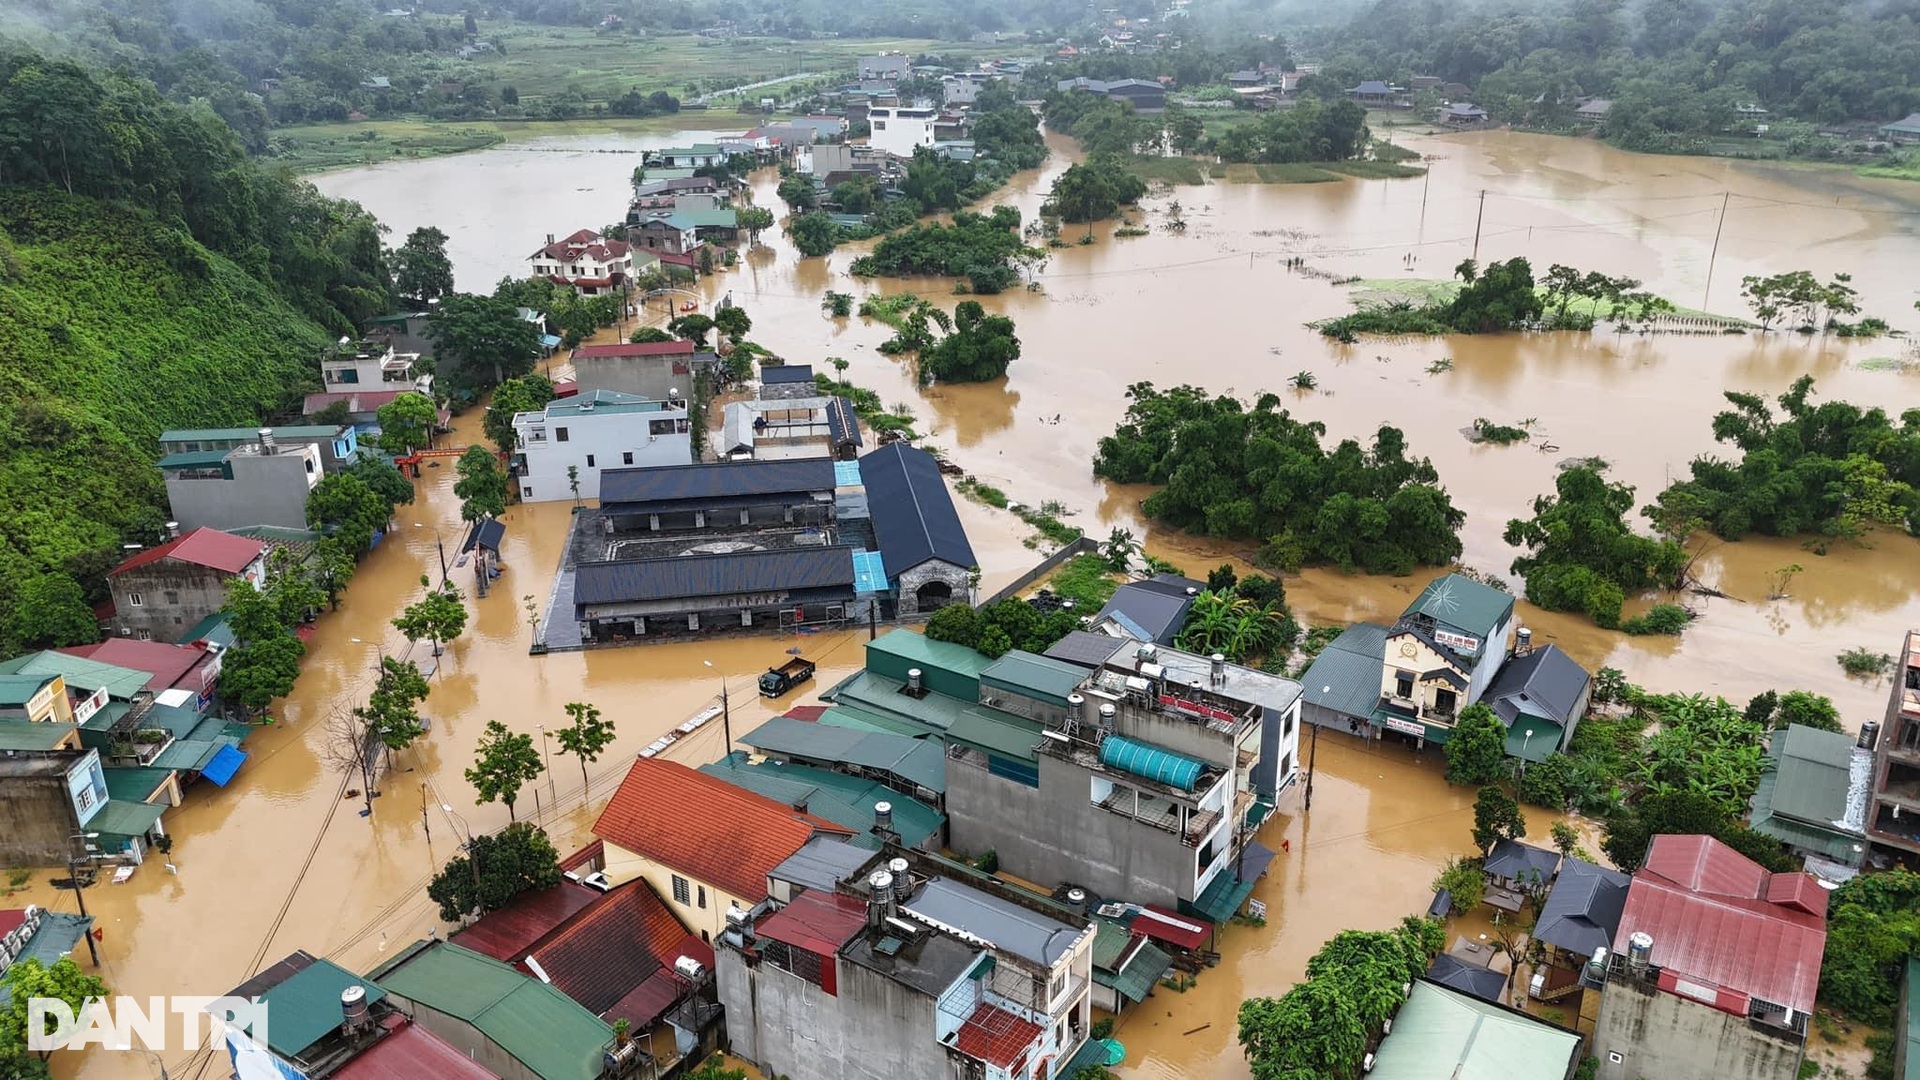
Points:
(150, 276)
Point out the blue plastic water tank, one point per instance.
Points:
(1150, 761)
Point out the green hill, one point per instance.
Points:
(113, 327)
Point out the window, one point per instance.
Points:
(589, 461)
(309, 465)
(135, 600)
(680, 892)
(143, 635)
(1403, 685)
(663, 427)
(703, 897)
(626, 457)
(172, 597)
(177, 620)
(879, 125)
(526, 493)
(560, 434)
(83, 799)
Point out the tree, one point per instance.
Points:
(504, 762)
(1631, 830)
(30, 978)
(406, 423)
(573, 483)
(754, 219)
(585, 737)
(733, 321)
(264, 660)
(50, 612)
(797, 192)
(1565, 839)
(1314, 1030)
(482, 334)
(1496, 817)
(392, 712)
(957, 623)
(1120, 549)
(1477, 749)
(648, 335)
(333, 566)
(482, 485)
(979, 349)
(1581, 554)
(518, 859)
(290, 589)
(528, 393)
(813, 233)
(692, 327)
(1774, 711)
(1464, 882)
(837, 305)
(1094, 189)
(438, 616)
(421, 269)
(1873, 929)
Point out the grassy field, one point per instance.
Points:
(1167, 170)
(318, 147)
(1436, 291)
(1295, 173)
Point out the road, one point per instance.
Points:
(705, 99)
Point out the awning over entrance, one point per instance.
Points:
(1223, 896)
(1254, 860)
(224, 765)
(1162, 925)
(1532, 739)
(124, 818)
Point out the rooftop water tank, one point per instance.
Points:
(1150, 761)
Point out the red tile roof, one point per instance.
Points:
(704, 827)
(509, 933)
(1161, 924)
(996, 1036)
(410, 1052)
(202, 547)
(627, 349)
(1716, 917)
(10, 918)
(606, 951)
(819, 922)
(586, 856)
(168, 664)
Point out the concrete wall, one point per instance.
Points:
(613, 440)
(1055, 833)
(1046, 566)
(266, 489)
(897, 134)
(650, 377)
(707, 920)
(36, 819)
(1661, 1036)
(174, 597)
(1181, 734)
(875, 1029)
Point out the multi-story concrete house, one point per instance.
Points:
(590, 432)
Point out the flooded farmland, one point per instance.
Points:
(282, 860)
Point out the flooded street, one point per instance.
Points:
(281, 860)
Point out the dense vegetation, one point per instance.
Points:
(1581, 555)
(1003, 626)
(1833, 469)
(979, 348)
(1093, 190)
(1675, 70)
(1243, 619)
(984, 249)
(1323, 1026)
(1314, 130)
(1230, 471)
(1873, 926)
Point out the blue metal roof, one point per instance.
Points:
(846, 473)
(674, 577)
(224, 765)
(869, 572)
(913, 513)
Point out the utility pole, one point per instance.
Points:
(80, 898)
(1425, 183)
(1715, 253)
(1478, 218)
(1313, 755)
(726, 717)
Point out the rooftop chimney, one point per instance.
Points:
(549, 239)
(1219, 668)
(266, 440)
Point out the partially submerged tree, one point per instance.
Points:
(1496, 817)
(439, 616)
(585, 736)
(1477, 749)
(504, 762)
(482, 485)
(518, 859)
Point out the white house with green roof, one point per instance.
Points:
(600, 429)
(1441, 655)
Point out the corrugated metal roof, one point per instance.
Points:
(633, 489)
(1143, 971)
(1702, 902)
(1154, 613)
(921, 649)
(821, 863)
(913, 513)
(1345, 677)
(305, 1007)
(1516, 861)
(846, 801)
(1545, 682)
(818, 920)
(1582, 913)
(1442, 1032)
(997, 732)
(79, 672)
(1087, 648)
(32, 736)
(1810, 773)
(608, 950)
(675, 577)
(408, 1053)
(552, 1035)
(786, 374)
(1034, 676)
(916, 761)
(508, 933)
(1024, 932)
(1459, 601)
(1456, 974)
(133, 783)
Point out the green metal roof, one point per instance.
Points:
(304, 1008)
(1912, 1057)
(1441, 1032)
(1144, 970)
(214, 629)
(193, 459)
(17, 690)
(998, 733)
(1545, 740)
(106, 716)
(1458, 600)
(187, 755)
(893, 653)
(1345, 677)
(1034, 676)
(27, 735)
(1110, 941)
(1805, 791)
(543, 1029)
(178, 722)
(134, 783)
(81, 673)
(249, 434)
(844, 800)
(124, 818)
(858, 719)
(1222, 897)
(918, 761)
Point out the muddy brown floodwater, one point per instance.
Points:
(280, 860)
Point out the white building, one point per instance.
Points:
(585, 261)
(594, 431)
(373, 366)
(901, 129)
